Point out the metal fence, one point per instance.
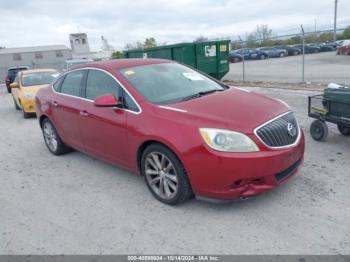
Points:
(319, 66)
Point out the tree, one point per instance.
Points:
(346, 33)
(150, 42)
(201, 38)
(263, 33)
(117, 55)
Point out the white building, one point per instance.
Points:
(80, 45)
(51, 56)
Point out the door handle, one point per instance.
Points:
(83, 113)
(55, 104)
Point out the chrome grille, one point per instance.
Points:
(282, 131)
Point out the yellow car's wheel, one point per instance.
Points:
(16, 106)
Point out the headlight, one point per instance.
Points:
(28, 96)
(227, 141)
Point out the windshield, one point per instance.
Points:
(39, 78)
(168, 82)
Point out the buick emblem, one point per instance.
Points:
(292, 131)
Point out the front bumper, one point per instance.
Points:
(242, 175)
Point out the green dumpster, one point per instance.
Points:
(339, 101)
(210, 57)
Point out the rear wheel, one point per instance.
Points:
(52, 140)
(263, 57)
(282, 54)
(164, 175)
(16, 105)
(344, 130)
(319, 130)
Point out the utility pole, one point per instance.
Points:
(303, 67)
(243, 66)
(335, 20)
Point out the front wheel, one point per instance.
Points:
(344, 130)
(282, 54)
(319, 130)
(52, 140)
(262, 57)
(164, 175)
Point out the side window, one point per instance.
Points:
(71, 83)
(100, 83)
(129, 103)
(58, 83)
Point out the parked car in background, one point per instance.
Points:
(309, 49)
(344, 48)
(273, 52)
(234, 57)
(249, 53)
(110, 110)
(11, 74)
(26, 84)
(323, 47)
(290, 49)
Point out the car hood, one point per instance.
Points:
(33, 89)
(235, 109)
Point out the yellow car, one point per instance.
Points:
(26, 85)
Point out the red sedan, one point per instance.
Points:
(185, 132)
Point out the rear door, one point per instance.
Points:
(103, 128)
(66, 106)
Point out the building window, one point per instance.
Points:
(77, 41)
(17, 57)
(59, 53)
(38, 55)
(83, 41)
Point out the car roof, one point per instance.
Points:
(122, 63)
(26, 72)
(17, 67)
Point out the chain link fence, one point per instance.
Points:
(299, 58)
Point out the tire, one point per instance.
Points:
(262, 57)
(319, 130)
(344, 130)
(282, 54)
(52, 140)
(164, 175)
(16, 106)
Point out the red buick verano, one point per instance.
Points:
(185, 132)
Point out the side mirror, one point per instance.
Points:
(14, 85)
(107, 100)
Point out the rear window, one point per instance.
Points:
(13, 71)
(40, 78)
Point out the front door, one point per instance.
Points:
(103, 129)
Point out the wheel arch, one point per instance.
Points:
(41, 119)
(146, 144)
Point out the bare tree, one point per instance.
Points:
(263, 33)
(201, 38)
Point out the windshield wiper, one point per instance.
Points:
(199, 94)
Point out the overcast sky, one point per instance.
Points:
(43, 22)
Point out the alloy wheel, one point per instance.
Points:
(50, 136)
(161, 175)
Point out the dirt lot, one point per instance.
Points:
(319, 68)
(75, 204)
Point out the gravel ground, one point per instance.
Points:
(75, 204)
(319, 68)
